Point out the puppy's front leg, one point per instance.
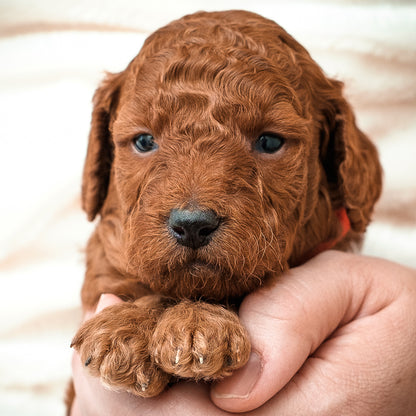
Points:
(114, 345)
(199, 340)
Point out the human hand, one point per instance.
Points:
(336, 336)
(349, 322)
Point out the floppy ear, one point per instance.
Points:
(350, 160)
(352, 165)
(99, 158)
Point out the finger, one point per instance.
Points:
(289, 321)
(188, 399)
(75, 410)
(366, 367)
(107, 299)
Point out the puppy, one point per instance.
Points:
(221, 157)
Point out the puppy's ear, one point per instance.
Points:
(97, 167)
(351, 164)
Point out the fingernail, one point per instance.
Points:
(242, 382)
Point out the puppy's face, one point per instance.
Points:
(223, 160)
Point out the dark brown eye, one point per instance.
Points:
(269, 143)
(144, 143)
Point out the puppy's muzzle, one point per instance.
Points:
(193, 229)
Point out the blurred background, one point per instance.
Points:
(53, 54)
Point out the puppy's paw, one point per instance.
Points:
(113, 345)
(200, 341)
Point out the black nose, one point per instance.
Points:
(192, 229)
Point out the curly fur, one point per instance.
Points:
(206, 86)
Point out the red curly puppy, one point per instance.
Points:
(219, 158)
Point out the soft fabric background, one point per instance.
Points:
(52, 55)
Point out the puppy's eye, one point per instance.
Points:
(269, 143)
(144, 143)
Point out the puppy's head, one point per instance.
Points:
(223, 151)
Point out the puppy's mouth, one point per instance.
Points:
(196, 266)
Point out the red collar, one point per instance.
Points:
(327, 245)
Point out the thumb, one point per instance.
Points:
(288, 322)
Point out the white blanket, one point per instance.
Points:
(52, 55)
